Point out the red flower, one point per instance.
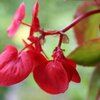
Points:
(51, 77)
(54, 76)
(14, 67)
(18, 17)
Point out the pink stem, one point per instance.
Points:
(60, 40)
(77, 20)
(74, 23)
(28, 45)
(26, 24)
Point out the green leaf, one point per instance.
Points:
(87, 54)
(88, 28)
(94, 87)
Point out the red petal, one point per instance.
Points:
(35, 21)
(35, 9)
(37, 58)
(9, 53)
(15, 68)
(18, 17)
(70, 66)
(71, 62)
(51, 77)
(75, 75)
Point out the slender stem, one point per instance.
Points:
(80, 18)
(28, 45)
(26, 24)
(45, 54)
(47, 33)
(77, 20)
(60, 40)
(52, 33)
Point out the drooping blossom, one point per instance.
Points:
(55, 75)
(18, 17)
(69, 65)
(14, 67)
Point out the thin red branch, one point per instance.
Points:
(26, 24)
(80, 18)
(60, 40)
(76, 21)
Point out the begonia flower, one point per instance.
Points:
(54, 76)
(14, 67)
(16, 22)
(51, 77)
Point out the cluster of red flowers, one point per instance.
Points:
(53, 76)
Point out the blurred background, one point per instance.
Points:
(53, 14)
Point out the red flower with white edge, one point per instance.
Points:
(14, 67)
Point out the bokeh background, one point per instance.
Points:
(53, 14)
